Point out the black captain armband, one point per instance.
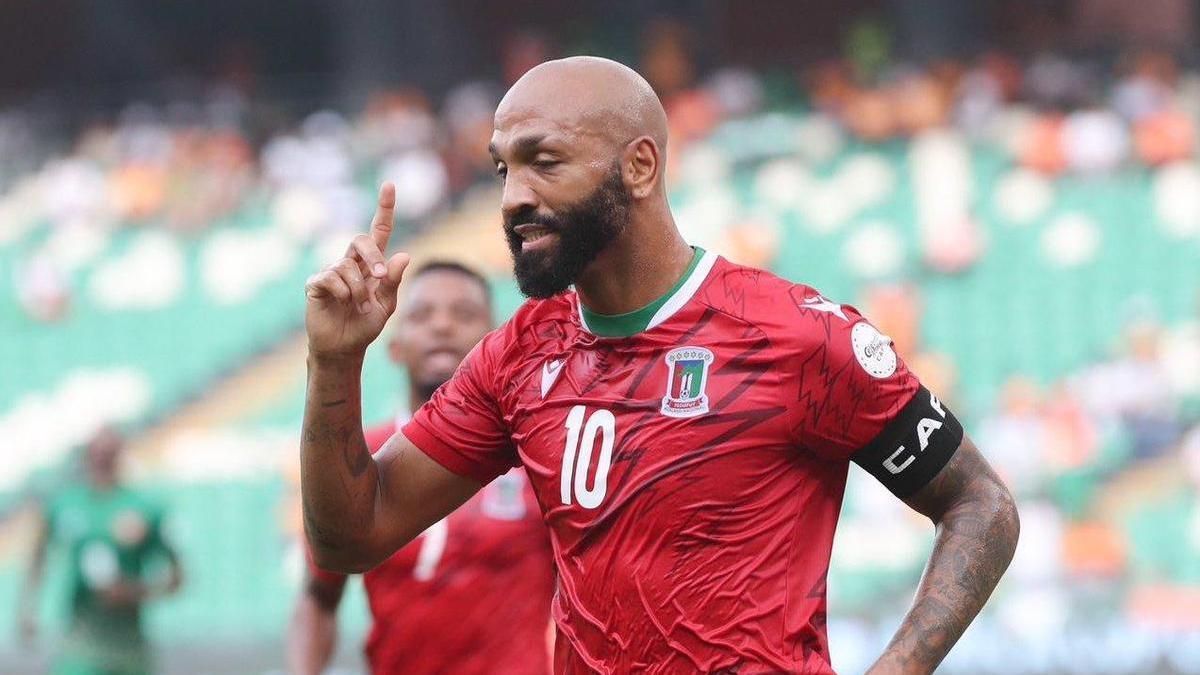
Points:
(913, 447)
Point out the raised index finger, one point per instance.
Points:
(385, 214)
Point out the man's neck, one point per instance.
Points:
(636, 270)
(416, 399)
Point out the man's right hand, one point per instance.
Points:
(350, 301)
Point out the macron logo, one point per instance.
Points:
(550, 371)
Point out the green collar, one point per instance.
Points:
(645, 318)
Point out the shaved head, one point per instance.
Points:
(591, 95)
(580, 147)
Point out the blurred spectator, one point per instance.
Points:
(895, 309)
(467, 114)
(1094, 140)
(523, 50)
(111, 536)
(1093, 549)
(1071, 437)
(666, 59)
(1042, 146)
(920, 103)
(1179, 358)
(1014, 436)
(1146, 87)
(1133, 390)
(738, 92)
(938, 373)
(42, 289)
(1054, 82)
(1164, 137)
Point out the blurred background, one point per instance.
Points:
(1008, 188)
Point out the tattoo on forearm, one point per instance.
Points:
(928, 642)
(977, 534)
(336, 464)
(316, 533)
(345, 439)
(358, 458)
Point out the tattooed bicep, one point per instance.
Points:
(966, 476)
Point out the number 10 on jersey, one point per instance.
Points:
(577, 455)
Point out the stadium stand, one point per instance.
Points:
(1038, 264)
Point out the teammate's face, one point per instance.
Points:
(443, 315)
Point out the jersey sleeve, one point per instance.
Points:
(856, 400)
(378, 435)
(462, 427)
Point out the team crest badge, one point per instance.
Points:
(687, 379)
(503, 498)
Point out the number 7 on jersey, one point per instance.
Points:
(577, 455)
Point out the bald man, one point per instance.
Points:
(686, 423)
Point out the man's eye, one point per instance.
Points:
(546, 163)
(501, 172)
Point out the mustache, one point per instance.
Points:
(530, 216)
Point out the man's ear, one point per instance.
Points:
(641, 167)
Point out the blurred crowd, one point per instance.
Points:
(1051, 113)
(185, 166)
(1086, 453)
(1098, 457)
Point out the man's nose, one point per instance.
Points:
(517, 196)
(442, 323)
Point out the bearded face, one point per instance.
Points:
(551, 250)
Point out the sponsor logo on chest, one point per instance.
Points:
(687, 381)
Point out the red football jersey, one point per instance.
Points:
(471, 594)
(691, 474)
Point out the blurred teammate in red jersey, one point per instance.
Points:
(472, 593)
(686, 423)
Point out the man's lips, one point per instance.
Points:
(443, 351)
(534, 236)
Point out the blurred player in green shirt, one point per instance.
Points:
(111, 536)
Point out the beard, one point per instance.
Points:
(584, 230)
(428, 386)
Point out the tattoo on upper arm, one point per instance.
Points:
(966, 468)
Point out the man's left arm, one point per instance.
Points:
(977, 529)
(856, 399)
